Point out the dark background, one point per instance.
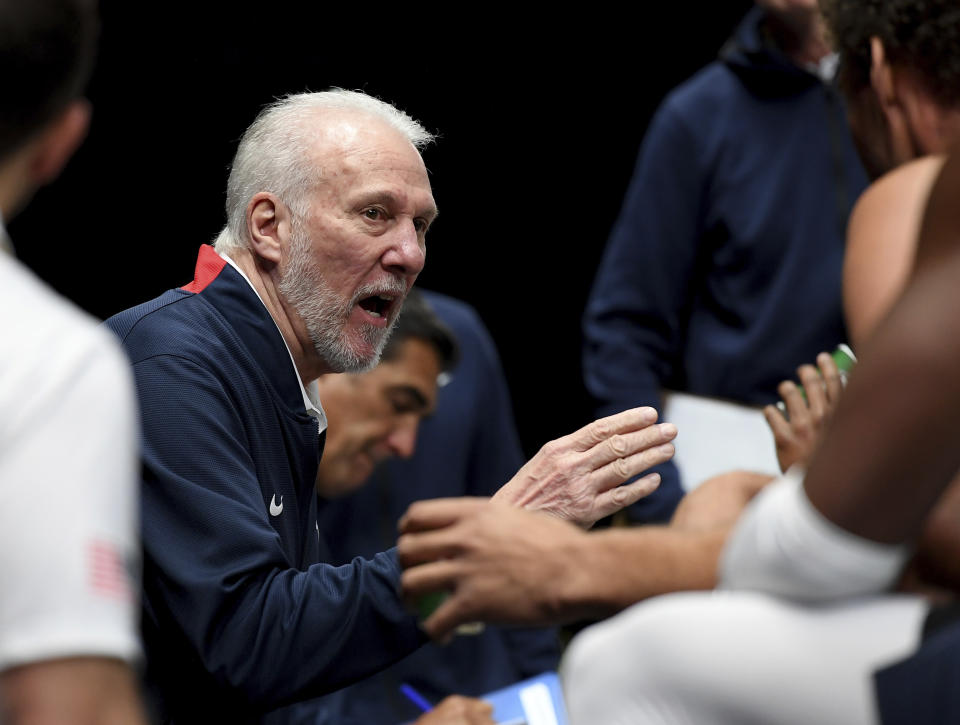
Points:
(540, 119)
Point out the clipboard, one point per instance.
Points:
(536, 701)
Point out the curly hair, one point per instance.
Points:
(922, 36)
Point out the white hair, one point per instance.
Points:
(274, 152)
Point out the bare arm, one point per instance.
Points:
(890, 450)
(881, 242)
(88, 690)
(502, 564)
(718, 501)
(893, 447)
(936, 562)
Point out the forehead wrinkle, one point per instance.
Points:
(349, 133)
(370, 159)
(350, 146)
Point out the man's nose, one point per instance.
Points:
(403, 439)
(407, 253)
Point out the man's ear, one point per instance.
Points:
(269, 223)
(881, 75)
(57, 142)
(895, 99)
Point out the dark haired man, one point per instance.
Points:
(374, 415)
(68, 604)
(466, 447)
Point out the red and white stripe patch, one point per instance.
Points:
(107, 570)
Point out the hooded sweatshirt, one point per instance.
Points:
(722, 273)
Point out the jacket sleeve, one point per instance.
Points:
(217, 576)
(636, 316)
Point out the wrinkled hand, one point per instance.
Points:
(796, 438)
(578, 477)
(499, 563)
(458, 710)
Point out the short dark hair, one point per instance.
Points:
(418, 320)
(47, 51)
(922, 36)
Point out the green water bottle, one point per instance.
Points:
(844, 358)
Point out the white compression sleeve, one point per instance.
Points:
(784, 546)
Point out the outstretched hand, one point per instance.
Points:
(498, 563)
(797, 433)
(578, 477)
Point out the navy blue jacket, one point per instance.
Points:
(722, 273)
(468, 447)
(239, 615)
(922, 689)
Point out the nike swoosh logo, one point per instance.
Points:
(275, 509)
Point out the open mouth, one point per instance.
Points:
(377, 305)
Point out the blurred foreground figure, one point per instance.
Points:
(68, 435)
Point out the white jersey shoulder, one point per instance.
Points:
(68, 472)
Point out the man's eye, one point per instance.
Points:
(373, 213)
(420, 225)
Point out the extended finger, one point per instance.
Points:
(601, 429)
(430, 578)
(816, 390)
(625, 445)
(438, 513)
(797, 409)
(623, 469)
(778, 424)
(609, 502)
(418, 548)
(455, 610)
(831, 378)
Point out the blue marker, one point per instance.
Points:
(415, 697)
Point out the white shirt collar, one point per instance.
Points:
(311, 392)
(826, 68)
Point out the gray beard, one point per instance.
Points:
(325, 313)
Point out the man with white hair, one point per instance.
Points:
(328, 205)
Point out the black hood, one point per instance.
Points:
(754, 57)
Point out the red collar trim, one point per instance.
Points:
(209, 265)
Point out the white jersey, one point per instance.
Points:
(68, 477)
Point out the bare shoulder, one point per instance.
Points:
(898, 196)
(881, 241)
